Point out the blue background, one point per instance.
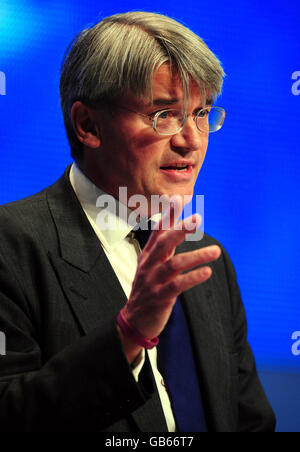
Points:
(250, 178)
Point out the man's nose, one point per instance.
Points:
(189, 138)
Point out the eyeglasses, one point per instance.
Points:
(171, 121)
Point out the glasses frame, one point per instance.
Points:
(153, 117)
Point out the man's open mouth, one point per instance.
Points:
(176, 168)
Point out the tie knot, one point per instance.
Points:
(143, 233)
(142, 236)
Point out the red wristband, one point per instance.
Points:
(134, 334)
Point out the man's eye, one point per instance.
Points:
(171, 114)
(165, 114)
(161, 113)
(202, 113)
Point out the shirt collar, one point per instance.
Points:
(88, 194)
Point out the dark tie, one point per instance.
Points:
(177, 365)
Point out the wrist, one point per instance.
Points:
(132, 350)
(129, 331)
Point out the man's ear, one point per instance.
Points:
(85, 125)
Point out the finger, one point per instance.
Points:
(162, 246)
(187, 261)
(184, 282)
(178, 232)
(168, 219)
(172, 215)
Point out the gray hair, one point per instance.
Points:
(120, 54)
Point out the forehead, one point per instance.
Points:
(167, 90)
(166, 81)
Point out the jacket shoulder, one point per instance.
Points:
(28, 213)
(27, 224)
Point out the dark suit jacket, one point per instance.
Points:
(65, 369)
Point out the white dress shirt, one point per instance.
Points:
(122, 251)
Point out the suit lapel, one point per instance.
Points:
(95, 296)
(87, 278)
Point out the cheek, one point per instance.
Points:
(204, 148)
(145, 157)
(203, 155)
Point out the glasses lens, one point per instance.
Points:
(167, 122)
(210, 119)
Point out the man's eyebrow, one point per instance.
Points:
(173, 101)
(166, 101)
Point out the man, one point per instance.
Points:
(85, 310)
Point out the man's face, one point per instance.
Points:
(133, 155)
